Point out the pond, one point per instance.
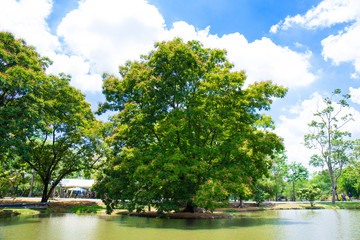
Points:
(283, 224)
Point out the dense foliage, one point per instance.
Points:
(187, 132)
(310, 193)
(21, 77)
(350, 180)
(296, 172)
(44, 122)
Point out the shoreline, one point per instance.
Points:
(96, 206)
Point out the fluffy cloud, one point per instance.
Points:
(110, 32)
(109, 39)
(26, 19)
(293, 129)
(261, 59)
(99, 36)
(326, 14)
(80, 71)
(355, 95)
(343, 47)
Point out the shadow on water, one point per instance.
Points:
(203, 224)
(19, 220)
(239, 221)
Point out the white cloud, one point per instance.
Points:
(101, 35)
(262, 59)
(293, 129)
(110, 32)
(355, 95)
(80, 70)
(26, 19)
(326, 14)
(343, 47)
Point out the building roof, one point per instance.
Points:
(82, 183)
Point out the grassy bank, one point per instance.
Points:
(81, 206)
(290, 206)
(318, 205)
(340, 205)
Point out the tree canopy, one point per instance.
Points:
(187, 132)
(310, 193)
(67, 138)
(44, 121)
(21, 76)
(296, 171)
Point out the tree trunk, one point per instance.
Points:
(189, 208)
(32, 184)
(334, 185)
(334, 189)
(45, 195)
(294, 197)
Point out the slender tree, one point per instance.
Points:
(296, 171)
(68, 139)
(278, 171)
(334, 147)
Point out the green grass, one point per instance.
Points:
(341, 205)
(87, 209)
(27, 211)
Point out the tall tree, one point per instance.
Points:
(278, 171)
(21, 76)
(43, 120)
(68, 139)
(334, 147)
(296, 171)
(187, 132)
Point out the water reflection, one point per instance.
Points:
(285, 224)
(209, 224)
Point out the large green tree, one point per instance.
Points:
(44, 122)
(187, 132)
(67, 139)
(327, 137)
(21, 75)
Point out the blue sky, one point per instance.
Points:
(309, 46)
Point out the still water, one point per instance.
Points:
(269, 225)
